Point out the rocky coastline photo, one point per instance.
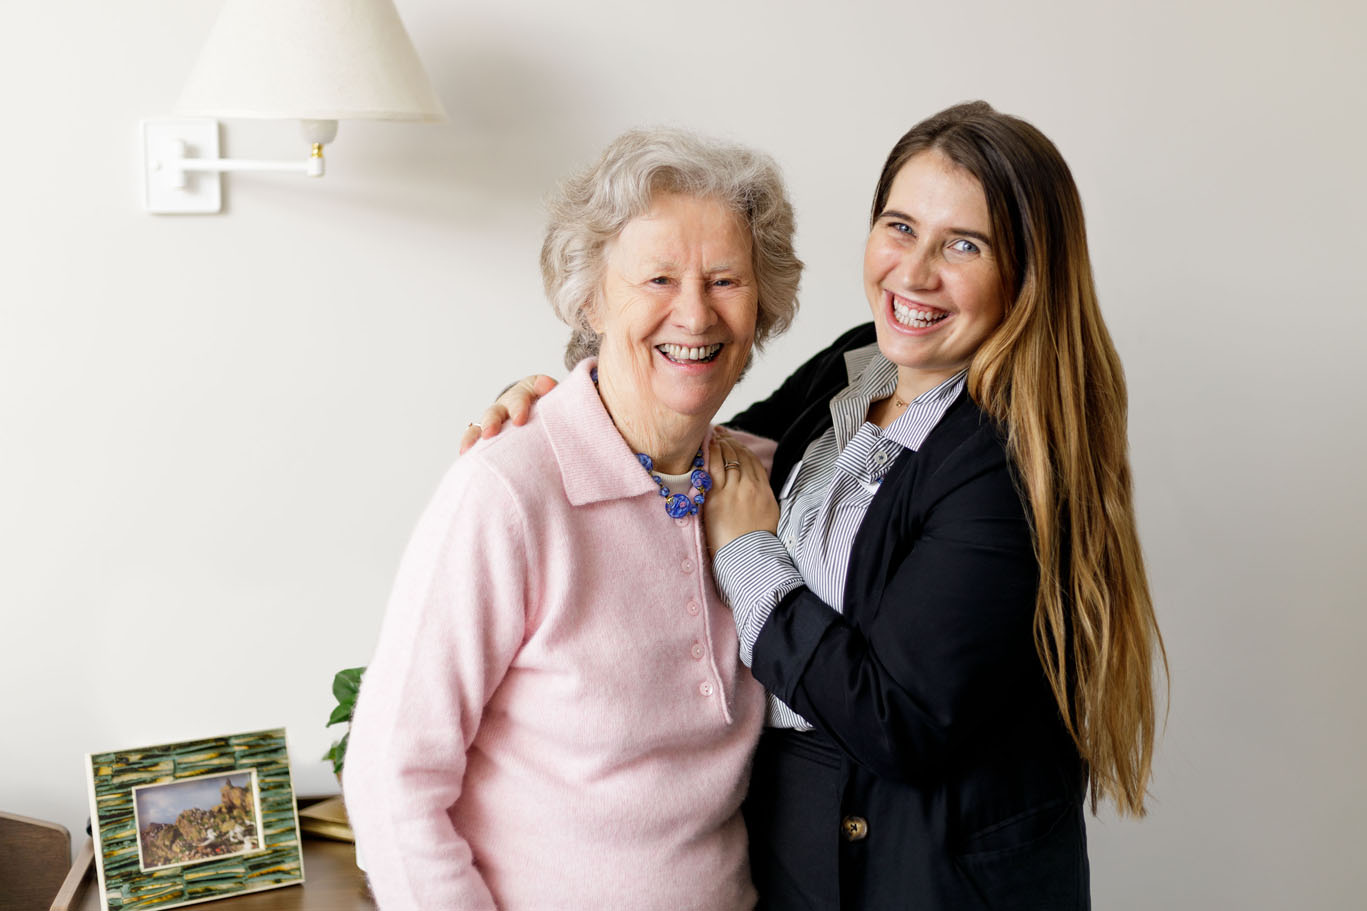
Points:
(180, 823)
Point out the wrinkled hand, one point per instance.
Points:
(740, 500)
(515, 404)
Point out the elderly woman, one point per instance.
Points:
(556, 716)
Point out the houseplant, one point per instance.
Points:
(345, 685)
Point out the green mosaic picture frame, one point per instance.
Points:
(244, 840)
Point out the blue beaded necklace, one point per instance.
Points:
(677, 505)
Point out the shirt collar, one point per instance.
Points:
(872, 377)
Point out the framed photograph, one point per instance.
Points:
(190, 822)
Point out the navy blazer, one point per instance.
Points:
(954, 751)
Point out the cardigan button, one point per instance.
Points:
(705, 688)
(686, 565)
(697, 651)
(856, 828)
(694, 608)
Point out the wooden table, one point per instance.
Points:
(332, 882)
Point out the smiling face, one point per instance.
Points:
(930, 272)
(677, 310)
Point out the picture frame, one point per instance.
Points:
(183, 823)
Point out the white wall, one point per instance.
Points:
(217, 431)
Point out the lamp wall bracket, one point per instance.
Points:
(181, 167)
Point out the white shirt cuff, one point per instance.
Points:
(754, 572)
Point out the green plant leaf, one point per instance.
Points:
(346, 684)
(338, 753)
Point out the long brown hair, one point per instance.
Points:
(1051, 376)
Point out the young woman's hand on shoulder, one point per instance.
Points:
(740, 500)
(514, 404)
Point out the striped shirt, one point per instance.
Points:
(822, 503)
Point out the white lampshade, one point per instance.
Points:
(310, 60)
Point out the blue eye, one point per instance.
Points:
(724, 282)
(901, 227)
(964, 246)
(660, 280)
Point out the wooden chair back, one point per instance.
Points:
(34, 859)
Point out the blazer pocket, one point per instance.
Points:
(1018, 831)
(1033, 861)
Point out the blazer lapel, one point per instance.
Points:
(895, 516)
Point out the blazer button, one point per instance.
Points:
(856, 828)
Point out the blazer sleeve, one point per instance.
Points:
(773, 416)
(945, 646)
(455, 620)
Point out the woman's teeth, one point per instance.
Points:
(917, 319)
(681, 354)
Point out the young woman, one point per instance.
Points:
(940, 582)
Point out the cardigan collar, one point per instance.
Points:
(595, 462)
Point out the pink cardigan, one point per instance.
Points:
(555, 717)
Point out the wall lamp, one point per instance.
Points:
(316, 61)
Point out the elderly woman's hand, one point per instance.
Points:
(515, 403)
(740, 500)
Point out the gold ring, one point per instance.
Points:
(727, 466)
